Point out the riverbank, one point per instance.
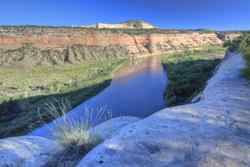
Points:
(242, 45)
(24, 92)
(213, 132)
(188, 73)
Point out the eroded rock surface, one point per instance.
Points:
(112, 127)
(71, 156)
(28, 151)
(214, 132)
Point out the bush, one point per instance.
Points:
(241, 44)
(245, 49)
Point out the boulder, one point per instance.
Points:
(27, 151)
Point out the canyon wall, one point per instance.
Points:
(44, 45)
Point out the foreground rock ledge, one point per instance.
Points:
(105, 130)
(112, 127)
(34, 151)
(28, 151)
(214, 132)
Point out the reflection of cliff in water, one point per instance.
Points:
(135, 66)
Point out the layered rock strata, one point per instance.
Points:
(41, 45)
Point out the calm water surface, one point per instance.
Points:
(136, 90)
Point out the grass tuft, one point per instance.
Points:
(74, 133)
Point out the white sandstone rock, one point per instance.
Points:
(27, 151)
(111, 127)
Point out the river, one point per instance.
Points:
(137, 89)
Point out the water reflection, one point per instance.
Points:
(136, 90)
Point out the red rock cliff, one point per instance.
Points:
(85, 43)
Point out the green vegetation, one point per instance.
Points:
(206, 30)
(138, 31)
(44, 80)
(245, 49)
(188, 73)
(242, 44)
(24, 92)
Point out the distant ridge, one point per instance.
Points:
(130, 24)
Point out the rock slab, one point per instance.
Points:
(27, 151)
(112, 127)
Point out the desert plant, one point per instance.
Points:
(74, 133)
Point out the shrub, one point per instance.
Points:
(241, 44)
(245, 49)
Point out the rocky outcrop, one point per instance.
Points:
(213, 132)
(28, 151)
(70, 156)
(41, 45)
(34, 151)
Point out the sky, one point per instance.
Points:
(168, 14)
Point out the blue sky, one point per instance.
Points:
(188, 14)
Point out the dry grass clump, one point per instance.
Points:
(74, 133)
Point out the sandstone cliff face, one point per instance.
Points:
(60, 45)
